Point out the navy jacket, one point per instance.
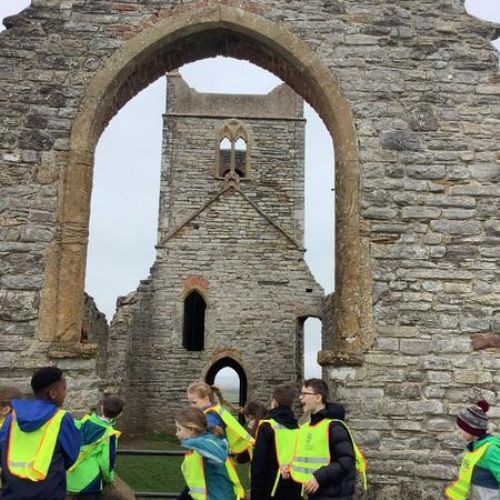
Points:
(336, 480)
(31, 415)
(265, 462)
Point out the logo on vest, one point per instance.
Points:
(309, 439)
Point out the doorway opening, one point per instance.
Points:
(230, 377)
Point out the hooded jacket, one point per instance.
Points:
(337, 479)
(485, 481)
(31, 415)
(97, 467)
(265, 463)
(214, 452)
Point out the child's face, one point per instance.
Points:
(183, 432)
(57, 392)
(309, 399)
(5, 410)
(465, 435)
(195, 400)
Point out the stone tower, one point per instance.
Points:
(229, 287)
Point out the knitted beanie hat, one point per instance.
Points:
(474, 419)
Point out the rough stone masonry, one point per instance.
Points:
(410, 93)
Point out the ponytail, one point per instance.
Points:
(224, 402)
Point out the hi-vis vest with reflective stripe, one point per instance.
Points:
(313, 451)
(460, 488)
(194, 474)
(238, 438)
(87, 468)
(284, 442)
(29, 454)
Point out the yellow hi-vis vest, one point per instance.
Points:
(460, 488)
(194, 475)
(313, 451)
(284, 443)
(86, 468)
(238, 438)
(29, 454)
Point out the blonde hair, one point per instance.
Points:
(202, 389)
(192, 418)
(212, 392)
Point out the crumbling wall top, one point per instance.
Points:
(282, 102)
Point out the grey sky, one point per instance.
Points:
(126, 180)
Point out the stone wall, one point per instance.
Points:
(417, 85)
(95, 329)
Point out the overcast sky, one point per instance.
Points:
(127, 172)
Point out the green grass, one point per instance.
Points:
(158, 473)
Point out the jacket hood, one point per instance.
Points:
(284, 416)
(32, 414)
(92, 428)
(209, 446)
(331, 410)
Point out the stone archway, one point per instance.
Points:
(170, 42)
(228, 362)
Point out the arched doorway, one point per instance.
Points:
(168, 44)
(227, 362)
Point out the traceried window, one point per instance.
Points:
(193, 332)
(232, 154)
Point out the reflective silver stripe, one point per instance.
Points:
(311, 460)
(21, 464)
(279, 427)
(305, 470)
(197, 490)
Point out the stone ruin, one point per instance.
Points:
(410, 94)
(229, 286)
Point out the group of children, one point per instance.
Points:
(318, 458)
(45, 453)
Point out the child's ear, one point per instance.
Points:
(52, 393)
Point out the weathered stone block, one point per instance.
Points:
(426, 407)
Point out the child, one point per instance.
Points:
(326, 457)
(39, 441)
(200, 395)
(208, 472)
(274, 448)
(7, 394)
(479, 473)
(96, 460)
(253, 412)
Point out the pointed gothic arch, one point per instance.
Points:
(173, 40)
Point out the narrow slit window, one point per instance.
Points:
(225, 156)
(193, 334)
(240, 157)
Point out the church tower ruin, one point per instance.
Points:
(230, 287)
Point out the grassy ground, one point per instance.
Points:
(157, 473)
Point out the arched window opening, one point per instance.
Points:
(224, 157)
(240, 157)
(232, 158)
(193, 333)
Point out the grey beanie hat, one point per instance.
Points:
(473, 419)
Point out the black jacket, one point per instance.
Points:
(264, 466)
(337, 479)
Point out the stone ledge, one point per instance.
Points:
(330, 357)
(69, 350)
